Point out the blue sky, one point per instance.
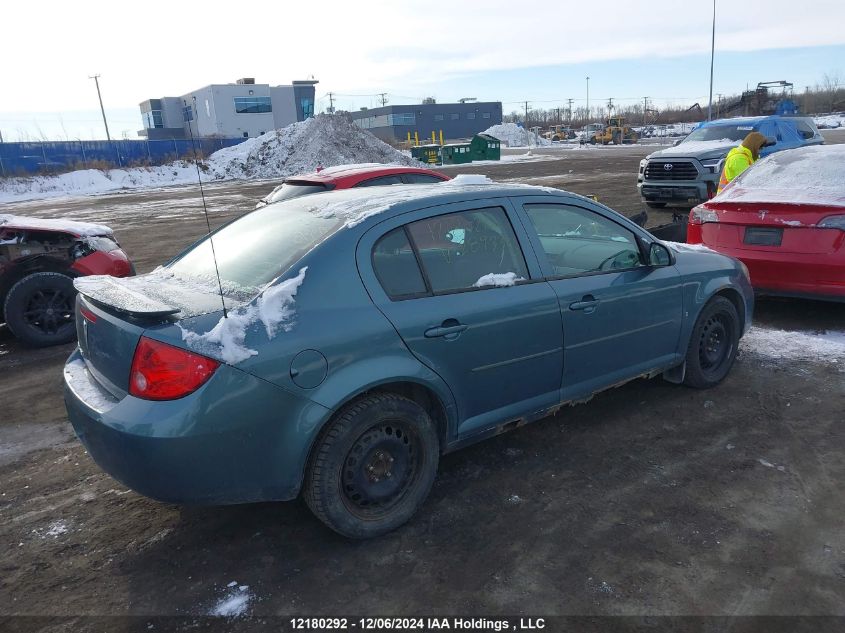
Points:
(494, 50)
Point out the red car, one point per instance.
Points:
(38, 261)
(348, 176)
(784, 218)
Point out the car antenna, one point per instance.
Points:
(207, 223)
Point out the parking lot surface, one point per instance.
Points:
(650, 499)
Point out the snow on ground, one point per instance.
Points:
(234, 603)
(830, 121)
(322, 141)
(795, 345)
(514, 136)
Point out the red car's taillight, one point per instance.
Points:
(163, 372)
(702, 215)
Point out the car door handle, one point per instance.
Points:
(588, 303)
(445, 330)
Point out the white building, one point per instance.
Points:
(242, 109)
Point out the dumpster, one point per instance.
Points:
(485, 147)
(456, 153)
(429, 154)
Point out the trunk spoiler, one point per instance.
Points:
(110, 293)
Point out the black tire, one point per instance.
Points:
(655, 205)
(373, 466)
(713, 344)
(39, 309)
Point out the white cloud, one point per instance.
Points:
(148, 50)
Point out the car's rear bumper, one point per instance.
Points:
(820, 276)
(237, 439)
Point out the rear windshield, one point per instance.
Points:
(720, 132)
(293, 190)
(258, 247)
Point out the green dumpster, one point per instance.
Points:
(429, 154)
(485, 147)
(456, 153)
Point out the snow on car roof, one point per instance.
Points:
(807, 175)
(353, 206)
(345, 170)
(80, 229)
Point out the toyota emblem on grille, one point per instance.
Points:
(667, 166)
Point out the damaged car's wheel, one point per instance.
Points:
(373, 466)
(39, 309)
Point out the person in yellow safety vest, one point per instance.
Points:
(741, 158)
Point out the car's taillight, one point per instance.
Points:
(702, 215)
(832, 222)
(163, 372)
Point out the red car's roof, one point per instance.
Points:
(348, 175)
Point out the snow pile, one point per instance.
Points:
(273, 309)
(82, 229)
(497, 279)
(470, 179)
(786, 345)
(235, 603)
(830, 121)
(93, 181)
(809, 175)
(514, 136)
(322, 141)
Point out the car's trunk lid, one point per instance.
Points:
(773, 227)
(113, 313)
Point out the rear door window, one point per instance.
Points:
(468, 249)
(396, 267)
(381, 180)
(577, 241)
(419, 179)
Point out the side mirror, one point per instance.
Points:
(678, 142)
(770, 141)
(658, 255)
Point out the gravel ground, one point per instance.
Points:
(650, 499)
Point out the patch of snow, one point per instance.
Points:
(53, 530)
(497, 279)
(234, 604)
(830, 121)
(765, 463)
(470, 179)
(514, 499)
(514, 136)
(83, 384)
(693, 148)
(795, 345)
(680, 247)
(790, 222)
(322, 141)
(81, 229)
(273, 309)
(807, 175)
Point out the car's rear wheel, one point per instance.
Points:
(713, 345)
(373, 466)
(39, 309)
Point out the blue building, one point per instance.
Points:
(457, 120)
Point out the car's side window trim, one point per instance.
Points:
(544, 261)
(399, 297)
(428, 291)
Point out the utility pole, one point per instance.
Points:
(96, 79)
(645, 109)
(383, 96)
(610, 107)
(569, 111)
(331, 103)
(526, 113)
(719, 105)
(588, 99)
(712, 55)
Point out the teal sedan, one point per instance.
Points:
(337, 345)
